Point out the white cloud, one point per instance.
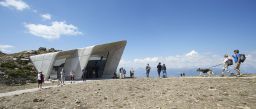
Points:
(4, 48)
(189, 60)
(46, 16)
(192, 53)
(17, 4)
(53, 31)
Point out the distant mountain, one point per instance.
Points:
(2, 54)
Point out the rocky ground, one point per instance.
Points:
(170, 93)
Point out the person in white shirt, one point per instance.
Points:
(226, 64)
(40, 79)
(121, 71)
(62, 77)
(72, 77)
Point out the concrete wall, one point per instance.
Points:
(43, 63)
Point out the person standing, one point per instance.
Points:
(114, 76)
(62, 77)
(72, 76)
(84, 74)
(132, 72)
(124, 71)
(237, 60)
(148, 70)
(164, 71)
(40, 80)
(121, 72)
(159, 68)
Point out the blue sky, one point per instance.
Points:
(155, 29)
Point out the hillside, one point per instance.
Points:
(17, 68)
(2, 54)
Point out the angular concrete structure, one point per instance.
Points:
(98, 61)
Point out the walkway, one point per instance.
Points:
(18, 92)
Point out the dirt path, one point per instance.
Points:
(18, 92)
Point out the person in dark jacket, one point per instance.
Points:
(159, 69)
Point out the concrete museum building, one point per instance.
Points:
(98, 61)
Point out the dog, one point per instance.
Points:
(204, 71)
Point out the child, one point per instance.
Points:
(227, 62)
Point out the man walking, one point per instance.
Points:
(159, 68)
(237, 60)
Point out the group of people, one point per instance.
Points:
(160, 68)
(182, 75)
(62, 77)
(122, 73)
(228, 61)
(40, 78)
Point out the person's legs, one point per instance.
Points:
(63, 80)
(165, 74)
(237, 68)
(228, 71)
(159, 71)
(70, 79)
(41, 85)
(224, 69)
(38, 83)
(73, 79)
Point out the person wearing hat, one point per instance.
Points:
(226, 64)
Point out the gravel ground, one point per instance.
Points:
(169, 93)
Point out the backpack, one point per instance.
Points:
(229, 62)
(242, 57)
